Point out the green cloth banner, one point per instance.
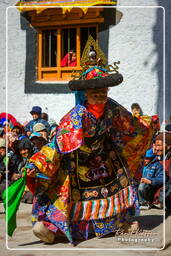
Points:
(11, 199)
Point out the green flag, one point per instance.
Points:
(11, 199)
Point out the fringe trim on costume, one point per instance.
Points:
(102, 208)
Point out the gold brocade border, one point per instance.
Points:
(42, 5)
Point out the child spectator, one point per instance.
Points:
(36, 114)
(152, 179)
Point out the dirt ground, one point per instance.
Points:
(24, 243)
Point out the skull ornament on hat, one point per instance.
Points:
(95, 73)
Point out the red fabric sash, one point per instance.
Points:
(96, 109)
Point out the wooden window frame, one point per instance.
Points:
(56, 73)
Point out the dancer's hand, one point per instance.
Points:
(146, 181)
(31, 172)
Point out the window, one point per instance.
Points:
(49, 48)
(60, 50)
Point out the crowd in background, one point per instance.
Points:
(22, 141)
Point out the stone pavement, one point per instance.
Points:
(24, 243)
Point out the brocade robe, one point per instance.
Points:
(91, 163)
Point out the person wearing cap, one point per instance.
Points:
(162, 148)
(90, 164)
(151, 181)
(41, 128)
(36, 114)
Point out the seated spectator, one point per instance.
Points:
(36, 114)
(152, 179)
(8, 162)
(25, 151)
(163, 144)
(18, 129)
(11, 140)
(41, 128)
(37, 139)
